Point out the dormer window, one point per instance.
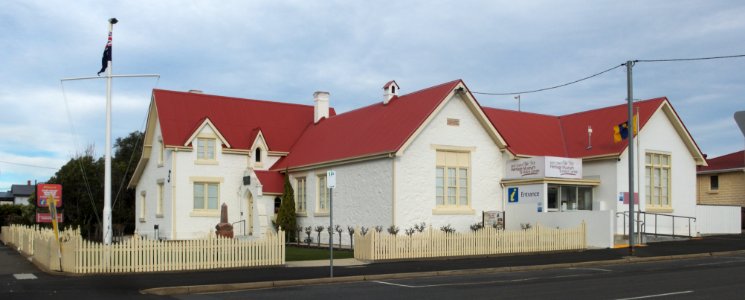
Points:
(258, 154)
(206, 148)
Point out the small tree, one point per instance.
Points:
(350, 230)
(447, 229)
(286, 216)
(338, 229)
(319, 229)
(308, 230)
(379, 228)
(420, 227)
(477, 226)
(393, 230)
(409, 231)
(363, 230)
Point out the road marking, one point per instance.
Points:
(658, 295)
(736, 260)
(592, 269)
(24, 276)
(455, 284)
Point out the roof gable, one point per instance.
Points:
(532, 134)
(377, 129)
(198, 131)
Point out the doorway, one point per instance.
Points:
(250, 216)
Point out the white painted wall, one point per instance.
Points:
(415, 170)
(718, 219)
(362, 197)
(605, 196)
(659, 135)
(179, 221)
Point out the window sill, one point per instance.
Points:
(321, 214)
(204, 213)
(160, 164)
(659, 209)
(713, 192)
(453, 211)
(142, 220)
(159, 216)
(301, 214)
(205, 162)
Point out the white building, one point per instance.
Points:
(434, 156)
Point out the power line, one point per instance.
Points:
(552, 87)
(690, 59)
(26, 165)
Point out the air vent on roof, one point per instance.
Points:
(195, 91)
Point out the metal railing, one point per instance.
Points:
(640, 225)
(642, 218)
(244, 226)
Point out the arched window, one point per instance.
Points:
(258, 154)
(277, 204)
(393, 89)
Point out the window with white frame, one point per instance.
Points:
(452, 184)
(322, 202)
(142, 206)
(657, 180)
(206, 148)
(159, 205)
(300, 195)
(714, 182)
(206, 195)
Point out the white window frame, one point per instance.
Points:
(301, 195)
(453, 163)
(161, 152)
(322, 195)
(658, 202)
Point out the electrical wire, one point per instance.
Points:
(690, 59)
(80, 163)
(552, 87)
(26, 165)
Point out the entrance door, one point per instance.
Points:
(553, 198)
(250, 217)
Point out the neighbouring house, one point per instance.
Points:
(434, 156)
(722, 182)
(6, 198)
(22, 192)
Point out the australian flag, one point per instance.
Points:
(106, 56)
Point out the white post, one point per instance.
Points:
(107, 155)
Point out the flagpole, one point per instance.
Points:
(107, 156)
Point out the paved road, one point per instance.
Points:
(702, 278)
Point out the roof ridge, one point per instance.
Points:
(563, 139)
(237, 98)
(613, 106)
(521, 112)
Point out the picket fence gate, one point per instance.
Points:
(430, 243)
(141, 255)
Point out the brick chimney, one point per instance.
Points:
(321, 106)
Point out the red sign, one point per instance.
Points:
(626, 198)
(47, 217)
(43, 191)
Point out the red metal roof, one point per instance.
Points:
(375, 129)
(272, 182)
(735, 160)
(535, 135)
(237, 119)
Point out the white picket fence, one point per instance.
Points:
(376, 246)
(141, 255)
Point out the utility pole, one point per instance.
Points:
(630, 102)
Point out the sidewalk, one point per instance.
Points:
(297, 273)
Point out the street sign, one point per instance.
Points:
(331, 179)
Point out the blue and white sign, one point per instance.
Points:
(513, 195)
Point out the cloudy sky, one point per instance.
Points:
(286, 50)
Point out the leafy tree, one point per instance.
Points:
(286, 217)
(126, 155)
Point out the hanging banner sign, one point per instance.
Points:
(545, 166)
(44, 191)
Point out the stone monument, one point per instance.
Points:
(224, 229)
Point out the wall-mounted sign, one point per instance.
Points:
(512, 195)
(44, 191)
(494, 219)
(545, 166)
(625, 197)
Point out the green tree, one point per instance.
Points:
(126, 155)
(286, 217)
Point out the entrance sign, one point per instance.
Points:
(45, 191)
(545, 166)
(47, 217)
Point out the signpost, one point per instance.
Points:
(331, 184)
